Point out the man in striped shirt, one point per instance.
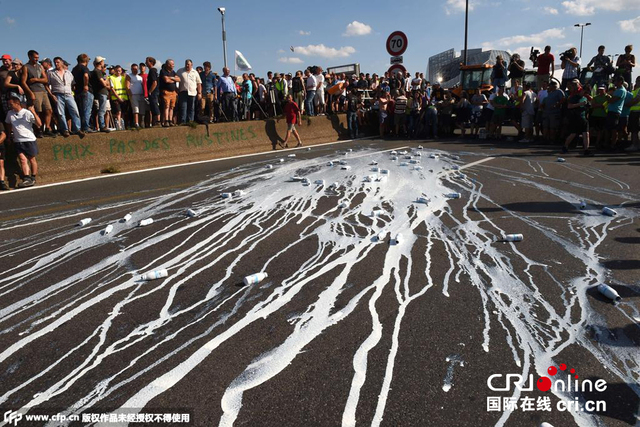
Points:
(399, 112)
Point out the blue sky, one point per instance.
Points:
(339, 33)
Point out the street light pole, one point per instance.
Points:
(582, 34)
(466, 30)
(224, 36)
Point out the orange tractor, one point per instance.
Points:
(474, 79)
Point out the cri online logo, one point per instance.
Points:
(545, 384)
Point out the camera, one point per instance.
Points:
(567, 54)
(533, 56)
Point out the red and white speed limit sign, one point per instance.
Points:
(397, 68)
(396, 43)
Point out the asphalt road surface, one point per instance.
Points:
(388, 302)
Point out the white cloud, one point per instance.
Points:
(304, 33)
(532, 39)
(357, 29)
(291, 60)
(550, 10)
(9, 20)
(280, 51)
(630, 25)
(456, 6)
(324, 51)
(589, 7)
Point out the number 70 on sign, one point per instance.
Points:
(396, 43)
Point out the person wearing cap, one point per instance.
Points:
(4, 70)
(13, 79)
(100, 85)
(19, 125)
(61, 81)
(83, 90)
(119, 96)
(34, 83)
(598, 116)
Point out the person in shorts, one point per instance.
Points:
(500, 104)
(577, 118)
(20, 123)
(292, 113)
(34, 83)
(3, 150)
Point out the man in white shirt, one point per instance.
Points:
(528, 113)
(542, 94)
(189, 91)
(311, 87)
(20, 123)
(319, 97)
(416, 83)
(136, 95)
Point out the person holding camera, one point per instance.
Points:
(625, 64)
(516, 69)
(601, 67)
(571, 66)
(498, 74)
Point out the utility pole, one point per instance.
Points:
(582, 34)
(224, 36)
(466, 30)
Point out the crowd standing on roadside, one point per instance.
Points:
(43, 98)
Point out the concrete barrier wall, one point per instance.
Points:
(64, 159)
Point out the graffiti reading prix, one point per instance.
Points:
(125, 147)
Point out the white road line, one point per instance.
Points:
(54, 184)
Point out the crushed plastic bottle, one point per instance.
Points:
(546, 425)
(296, 178)
(146, 222)
(345, 167)
(330, 163)
(350, 150)
(455, 157)
(375, 214)
(419, 154)
(255, 278)
(394, 158)
(281, 160)
(373, 163)
(269, 167)
(127, 218)
(417, 168)
(84, 222)
(414, 161)
(609, 212)
(433, 156)
(609, 292)
(384, 171)
(335, 185)
(108, 229)
(238, 193)
(397, 239)
(408, 157)
(369, 178)
(423, 200)
(513, 237)
(561, 160)
(375, 169)
(420, 147)
(226, 195)
(153, 275)
(404, 164)
(583, 205)
(453, 195)
(343, 205)
(394, 152)
(305, 181)
(455, 167)
(191, 213)
(291, 155)
(343, 162)
(319, 181)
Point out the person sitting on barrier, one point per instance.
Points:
(20, 123)
(292, 114)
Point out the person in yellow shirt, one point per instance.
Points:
(119, 96)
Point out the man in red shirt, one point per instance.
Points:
(292, 113)
(545, 61)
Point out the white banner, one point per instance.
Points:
(241, 62)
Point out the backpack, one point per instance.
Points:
(296, 85)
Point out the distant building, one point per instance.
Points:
(445, 66)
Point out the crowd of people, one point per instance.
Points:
(45, 98)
